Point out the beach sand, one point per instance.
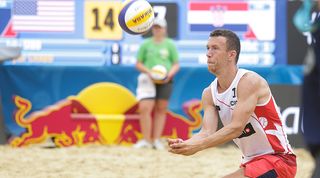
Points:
(123, 161)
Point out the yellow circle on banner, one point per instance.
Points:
(107, 102)
(106, 98)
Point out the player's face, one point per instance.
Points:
(216, 54)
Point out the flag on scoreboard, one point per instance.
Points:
(43, 15)
(251, 18)
(205, 16)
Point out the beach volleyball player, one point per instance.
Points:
(243, 101)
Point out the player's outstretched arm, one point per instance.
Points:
(209, 126)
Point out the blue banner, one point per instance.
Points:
(45, 85)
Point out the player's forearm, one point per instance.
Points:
(222, 136)
(198, 136)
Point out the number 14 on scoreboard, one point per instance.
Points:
(101, 20)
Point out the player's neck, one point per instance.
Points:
(225, 78)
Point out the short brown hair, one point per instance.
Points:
(233, 41)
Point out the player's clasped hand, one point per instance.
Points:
(178, 146)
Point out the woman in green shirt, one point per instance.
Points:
(152, 95)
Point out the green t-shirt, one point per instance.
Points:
(151, 53)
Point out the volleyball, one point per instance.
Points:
(136, 16)
(158, 73)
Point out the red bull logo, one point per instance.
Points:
(55, 122)
(102, 113)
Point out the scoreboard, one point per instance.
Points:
(87, 33)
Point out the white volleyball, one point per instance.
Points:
(159, 73)
(136, 16)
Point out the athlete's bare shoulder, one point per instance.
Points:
(256, 84)
(252, 77)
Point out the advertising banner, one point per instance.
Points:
(80, 105)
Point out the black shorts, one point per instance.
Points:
(163, 91)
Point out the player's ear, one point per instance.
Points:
(232, 54)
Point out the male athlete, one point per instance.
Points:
(243, 101)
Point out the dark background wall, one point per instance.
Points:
(2, 128)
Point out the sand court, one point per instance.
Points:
(122, 161)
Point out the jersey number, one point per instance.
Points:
(234, 92)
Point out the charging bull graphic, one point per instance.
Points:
(102, 113)
(56, 122)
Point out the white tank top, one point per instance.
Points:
(263, 133)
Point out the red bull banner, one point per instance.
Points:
(97, 105)
(104, 113)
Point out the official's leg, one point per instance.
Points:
(163, 93)
(159, 117)
(146, 92)
(145, 108)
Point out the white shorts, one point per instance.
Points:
(146, 88)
